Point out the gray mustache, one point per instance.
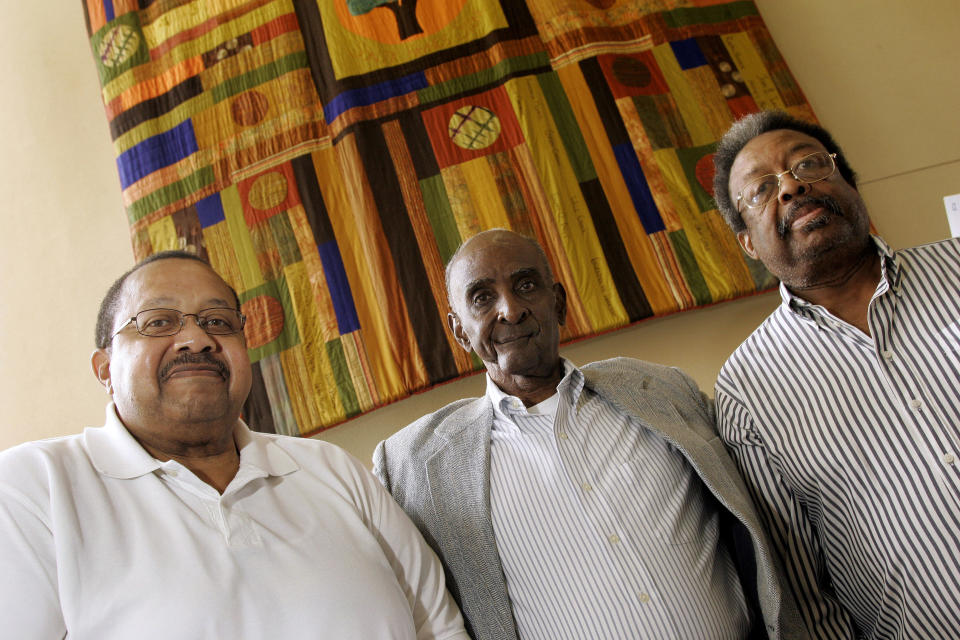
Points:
(193, 358)
(828, 203)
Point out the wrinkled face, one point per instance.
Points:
(505, 306)
(807, 224)
(180, 390)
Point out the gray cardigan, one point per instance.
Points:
(438, 470)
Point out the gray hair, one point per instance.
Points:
(746, 129)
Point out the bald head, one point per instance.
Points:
(494, 237)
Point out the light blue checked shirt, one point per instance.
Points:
(603, 528)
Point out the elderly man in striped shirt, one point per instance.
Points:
(842, 409)
(593, 502)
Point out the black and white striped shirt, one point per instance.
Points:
(851, 446)
(603, 529)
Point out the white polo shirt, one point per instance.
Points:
(100, 540)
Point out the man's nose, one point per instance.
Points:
(511, 309)
(192, 337)
(790, 187)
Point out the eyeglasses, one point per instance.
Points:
(812, 168)
(155, 323)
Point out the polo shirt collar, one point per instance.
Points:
(262, 451)
(116, 454)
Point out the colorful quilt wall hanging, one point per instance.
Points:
(328, 156)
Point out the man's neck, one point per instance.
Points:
(217, 470)
(847, 292)
(216, 463)
(532, 390)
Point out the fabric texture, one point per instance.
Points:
(99, 540)
(328, 158)
(591, 510)
(849, 444)
(438, 469)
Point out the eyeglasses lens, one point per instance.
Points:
(168, 322)
(812, 168)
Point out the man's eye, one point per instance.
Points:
(526, 286)
(215, 322)
(481, 298)
(158, 322)
(764, 186)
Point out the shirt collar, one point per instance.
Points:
(117, 454)
(505, 405)
(890, 274)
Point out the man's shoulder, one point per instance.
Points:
(43, 452)
(622, 365)
(33, 468)
(621, 373)
(620, 379)
(309, 451)
(948, 244)
(944, 254)
(398, 460)
(414, 435)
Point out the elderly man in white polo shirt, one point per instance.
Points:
(174, 520)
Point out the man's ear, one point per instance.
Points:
(453, 321)
(560, 305)
(743, 237)
(100, 362)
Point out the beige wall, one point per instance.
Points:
(881, 75)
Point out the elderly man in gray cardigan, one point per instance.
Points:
(594, 502)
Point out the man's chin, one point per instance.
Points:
(199, 414)
(528, 365)
(824, 235)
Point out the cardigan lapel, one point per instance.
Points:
(699, 443)
(458, 473)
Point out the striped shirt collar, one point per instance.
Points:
(506, 406)
(890, 274)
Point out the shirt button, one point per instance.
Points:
(614, 539)
(587, 486)
(949, 458)
(916, 403)
(643, 597)
(887, 354)
(563, 436)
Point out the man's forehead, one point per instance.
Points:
(768, 151)
(499, 255)
(171, 281)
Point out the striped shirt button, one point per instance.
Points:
(587, 486)
(643, 597)
(887, 354)
(563, 436)
(614, 538)
(949, 458)
(916, 403)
